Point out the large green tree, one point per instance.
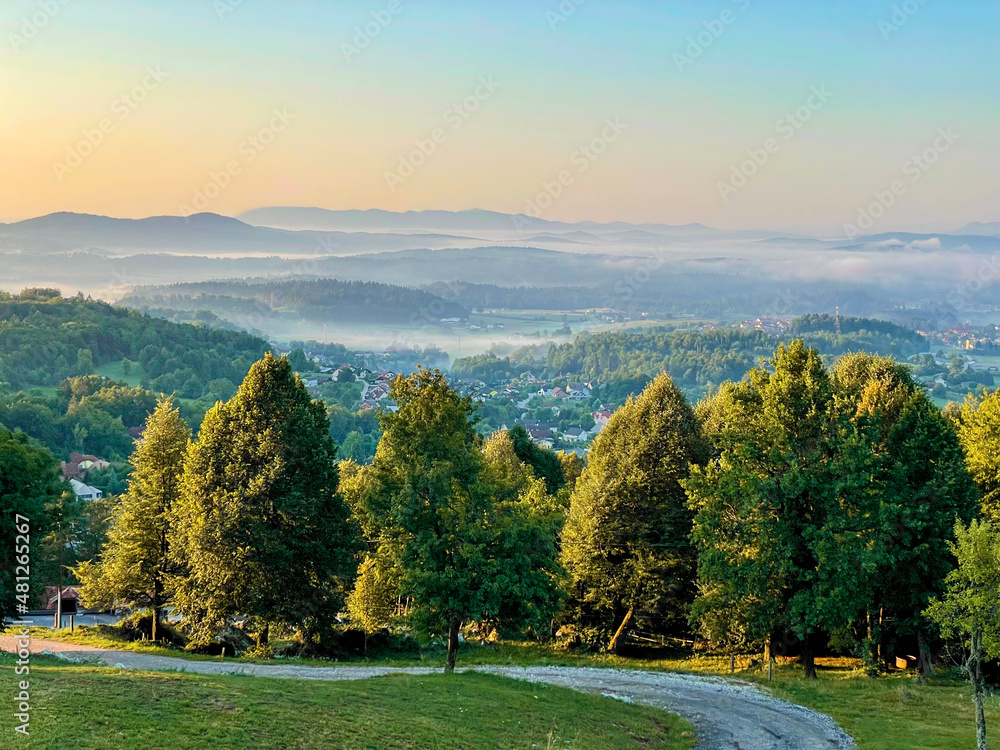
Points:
(462, 555)
(29, 485)
(260, 528)
(902, 485)
(135, 561)
(762, 502)
(626, 543)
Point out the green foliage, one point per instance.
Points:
(970, 608)
(695, 359)
(462, 555)
(88, 414)
(135, 562)
(260, 529)
(45, 338)
(829, 504)
(903, 484)
(979, 429)
(626, 542)
(297, 359)
(319, 300)
(371, 604)
(543, 462)
(762, 501)
(29, 485)
(971, 602)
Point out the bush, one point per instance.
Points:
(138, 626)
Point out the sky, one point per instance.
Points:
(800, 115)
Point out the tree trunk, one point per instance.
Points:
(617, 638)
(449, 665)
(264, 635)
(975, 669)
(924, 661)
(808, 657)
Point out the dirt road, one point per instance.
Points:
(729, 715)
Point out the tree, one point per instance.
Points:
(298, 360)
(260, 528)
(135, 561)
(762, 501)
(626, 541)
(462, 555)
(572, 466)
(370, 605)
(29, 482)
(979, 430)
(544, 463)
(970, 607)
(902, 486)
(427, 466)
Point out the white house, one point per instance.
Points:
(85, 491)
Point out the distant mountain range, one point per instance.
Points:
(202, 234)
(315, 232)
(468, 221)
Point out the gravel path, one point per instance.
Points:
(729, 715)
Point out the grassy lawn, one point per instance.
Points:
(889, 713)
(115, 371)
(98, 709)
(893, 713)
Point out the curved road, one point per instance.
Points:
(729, 715)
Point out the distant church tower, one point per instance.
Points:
(837, 320)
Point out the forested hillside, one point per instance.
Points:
(323, 300)
(45, 338)
(693, 358)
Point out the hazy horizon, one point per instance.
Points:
(644, 110)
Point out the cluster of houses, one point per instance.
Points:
(75, 472)
(546, 434)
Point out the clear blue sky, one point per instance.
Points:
(354, 120)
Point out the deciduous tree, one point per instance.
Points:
(260, 528)
(135, 561)
(626, 544)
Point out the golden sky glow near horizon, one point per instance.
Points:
(136, 109)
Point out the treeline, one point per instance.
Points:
(90, 414)
(695, 359)
(248, 303)
(802, 509)
(45, 338)
(491, 296)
